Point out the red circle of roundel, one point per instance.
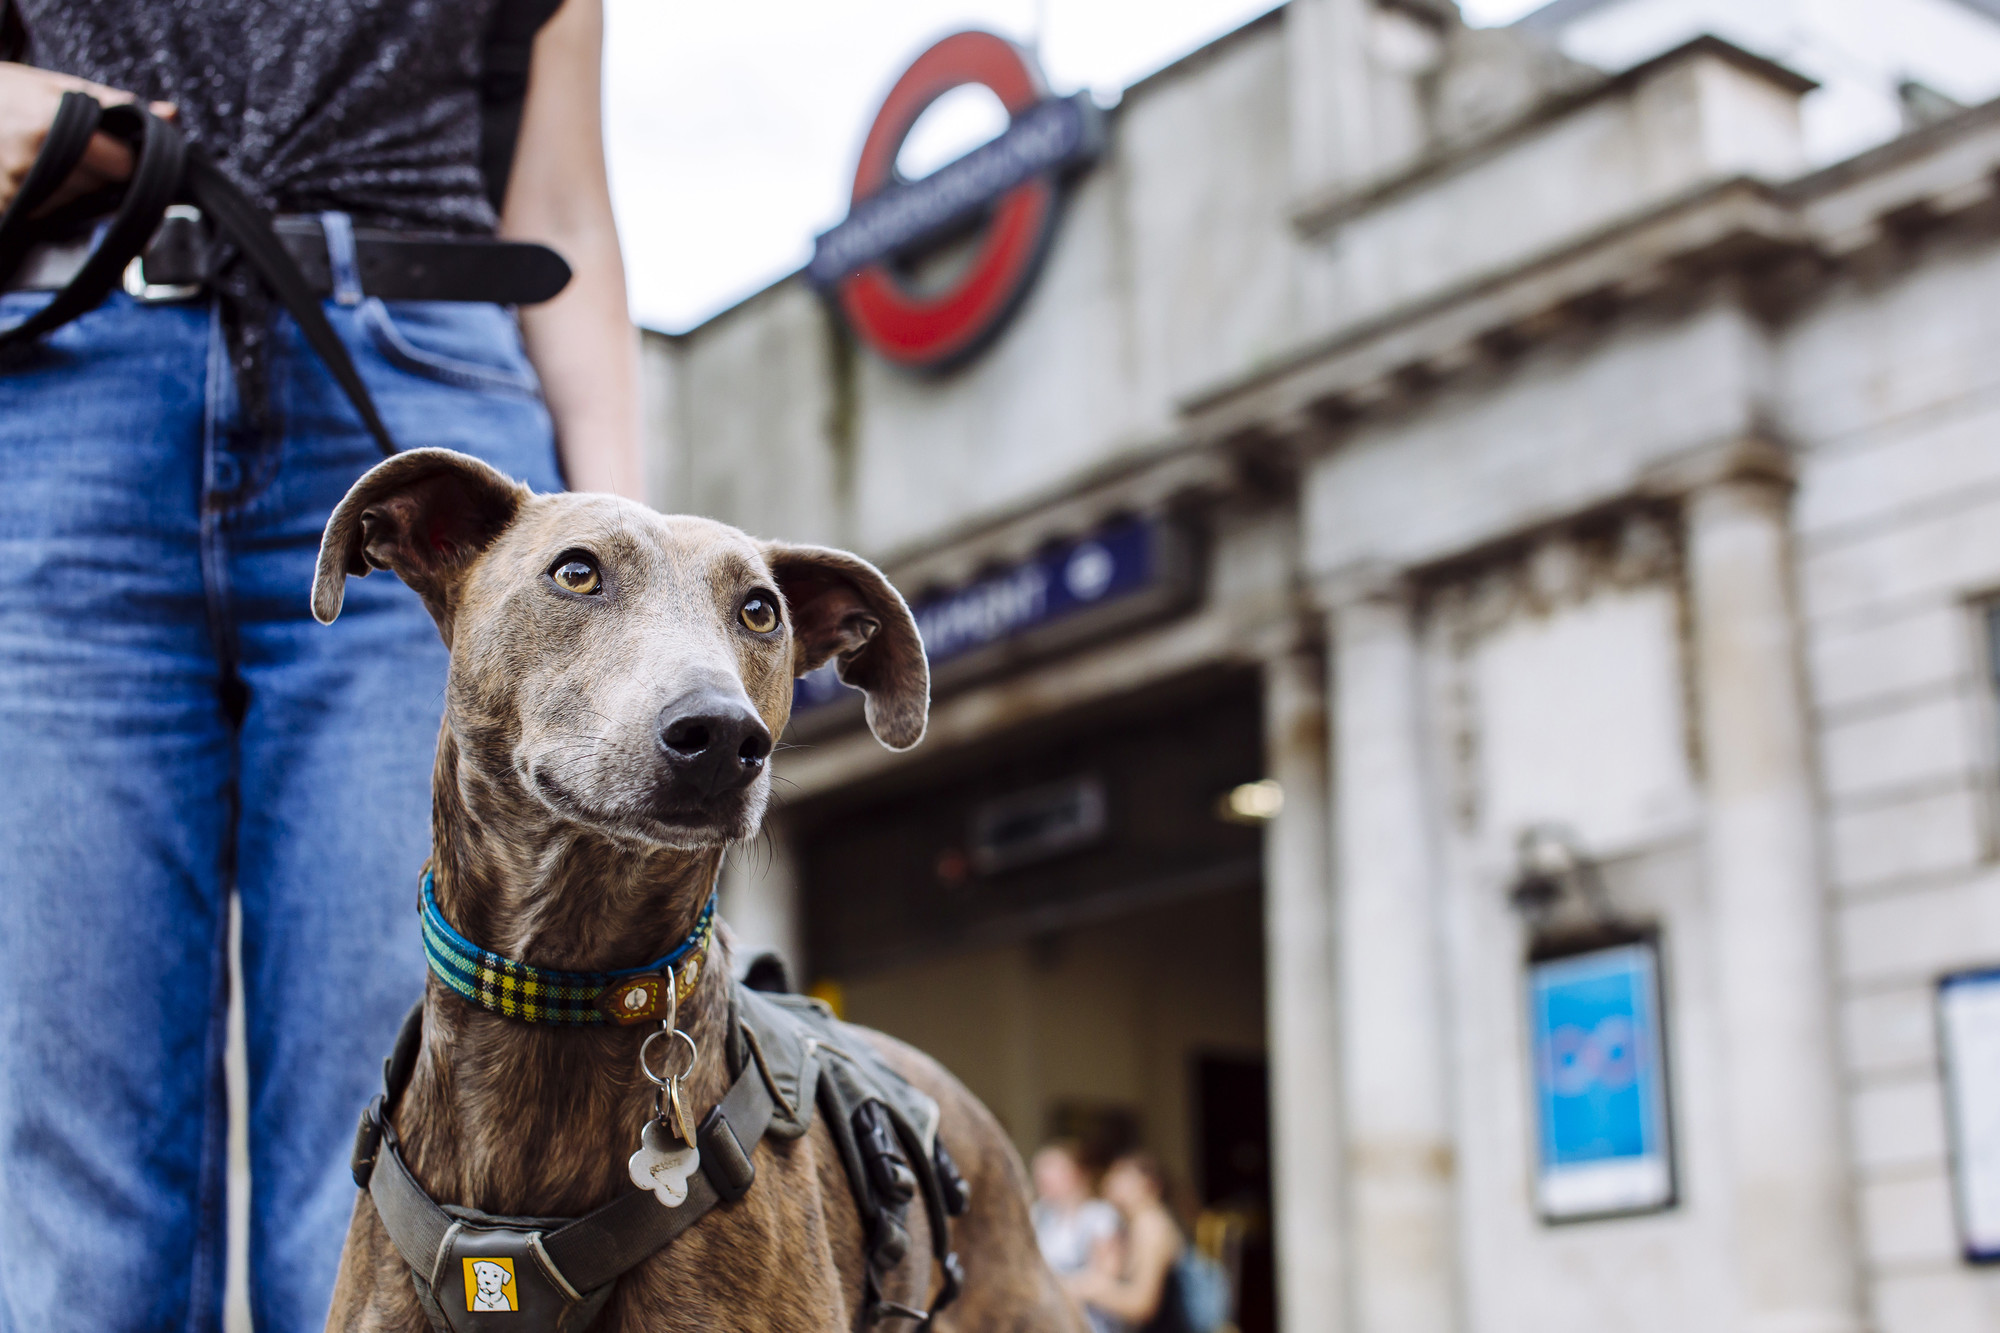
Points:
(920, 330)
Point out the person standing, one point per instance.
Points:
(1073, 1229)
(174, 726)
(1138, 1286)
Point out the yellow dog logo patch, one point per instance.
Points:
(489, 1285)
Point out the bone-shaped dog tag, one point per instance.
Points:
(662, 1165)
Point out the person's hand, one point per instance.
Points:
(28, 98)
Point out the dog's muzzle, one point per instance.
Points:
(712, 745)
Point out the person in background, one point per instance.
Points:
(174, 727)
(1137, 1285)
(1075, 1231)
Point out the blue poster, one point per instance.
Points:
(1600, 1083)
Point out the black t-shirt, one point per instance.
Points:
(371, 106)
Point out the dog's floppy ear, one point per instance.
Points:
(841, 607)
(426, 514)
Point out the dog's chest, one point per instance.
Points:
(787, 1258)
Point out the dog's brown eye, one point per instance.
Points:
(579, 576)
(759, 613)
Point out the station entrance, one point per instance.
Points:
(1069, 917)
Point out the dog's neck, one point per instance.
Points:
(535, 1119)
(523, 882)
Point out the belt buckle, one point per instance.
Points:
(137, 287)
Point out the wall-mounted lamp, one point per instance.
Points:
(1558, 887)
(1251, 803)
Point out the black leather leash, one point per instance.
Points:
(159, 159)
(166, 170)
(164, 167)
(242, 222)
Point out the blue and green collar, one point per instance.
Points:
(533, 994)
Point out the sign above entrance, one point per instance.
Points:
(1006, 191)
(1123, 573)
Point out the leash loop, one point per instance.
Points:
(667, 1088)
(645, 1062)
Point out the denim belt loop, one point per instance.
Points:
(340, 259)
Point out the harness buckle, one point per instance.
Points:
(367, 1142)
(728, 1167)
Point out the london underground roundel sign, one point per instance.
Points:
(1007, 191)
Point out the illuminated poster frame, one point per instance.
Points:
(1968, 1014)
(1604, 1137)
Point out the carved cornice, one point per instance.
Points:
(1745, 458)
(1765, 246)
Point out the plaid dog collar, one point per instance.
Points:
(533, 994)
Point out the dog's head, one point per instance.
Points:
(628, 669)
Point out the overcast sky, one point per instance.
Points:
(732, 128)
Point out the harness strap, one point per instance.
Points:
(884, 1129)
(594, 1250)
(412, 1218)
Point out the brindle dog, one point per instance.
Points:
(617, 677)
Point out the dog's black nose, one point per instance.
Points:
(713, 744)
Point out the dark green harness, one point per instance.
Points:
(787, 1056)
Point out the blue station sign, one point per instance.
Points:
(1111, 578)
(1055, 135)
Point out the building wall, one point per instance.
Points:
(1188, 259)
(1172, 270)
(1456, 417)
(1893, 399)
(1559, 692)
(1858, 50)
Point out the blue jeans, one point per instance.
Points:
(174, 726)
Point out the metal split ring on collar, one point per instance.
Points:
(664, 1081)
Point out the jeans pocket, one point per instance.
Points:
(467, 346)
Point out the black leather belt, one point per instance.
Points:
(393, 266)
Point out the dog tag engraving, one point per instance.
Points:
(663, 1166)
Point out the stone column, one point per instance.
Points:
(1794, 1228)
(1299, 990)
(1396, 1112)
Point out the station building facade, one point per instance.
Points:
(1447, 519)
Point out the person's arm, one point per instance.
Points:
(28, 98)
(1134, 1297)
(1104, 1253)
(582, 343)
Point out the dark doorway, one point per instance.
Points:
(1030, 911)
(1233, 1125)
